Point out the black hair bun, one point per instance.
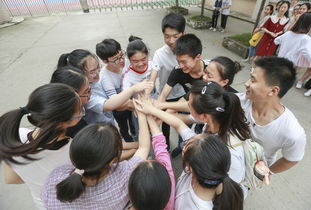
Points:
(133, 38)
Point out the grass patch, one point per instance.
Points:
(242, 38)
(200, 18)
(180, 10)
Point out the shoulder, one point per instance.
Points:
(290, 124)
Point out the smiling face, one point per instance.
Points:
(187, 63)
(139, 61)
(302, 9)
(257, 88)
(92, 69)
(267, 11)
(170, 36)
(117, 60)
(212, 74)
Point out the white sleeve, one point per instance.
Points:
(156, 62)
(294, 151)
(126, 82)
(237, 167)
(97, 100)
(187, 134)
(108, 86)
(279, 39)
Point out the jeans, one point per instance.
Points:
(224, 19)
(252, 51)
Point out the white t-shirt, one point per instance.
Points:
(166, 60)
(224, 4)
(111, 81)
(95, 107)
(185, 196)
(36, 172)
(284, 133)
(131, 77)
(295, 47)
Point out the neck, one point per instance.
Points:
(280, 15)
(266, 111)
(213, 126)
(197, 71)
(36, 132)
(205, 194)
(113, 68)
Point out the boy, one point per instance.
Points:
(273, 125)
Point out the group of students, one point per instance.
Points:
(76, 158)
(285, 32)
(220, 7)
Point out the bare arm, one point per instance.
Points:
(10, 177)
(282, 165)
(118, 100)
(130, 145)
(153, 77)
(166, 90)
(181, 105)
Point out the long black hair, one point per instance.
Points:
(149, 186)
(209, 159)
(224, 107)
(92, 150)
(69, 75)
(77, 58)
(47, 107)
(303, 24)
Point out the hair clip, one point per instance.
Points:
(79, 171)
(219, 109)
(205, 87)
(212, 182)
(67, 59)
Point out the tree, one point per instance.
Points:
(202, 7)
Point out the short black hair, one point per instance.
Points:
(107, 48)
(278, 71)
(175, 21)
(188, 44)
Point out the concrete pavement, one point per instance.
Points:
(29, 52)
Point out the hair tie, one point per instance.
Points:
(67, 59)
(79, 171)
(25, 111)
(212, 182)
(203, 91)
(219, 109)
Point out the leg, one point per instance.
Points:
(304, 77)
(121, 118)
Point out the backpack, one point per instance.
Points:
(253, 152)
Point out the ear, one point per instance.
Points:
(275, 90)
(204, 117)
(198, 57)
(223, 83)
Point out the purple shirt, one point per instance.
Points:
(109, 194)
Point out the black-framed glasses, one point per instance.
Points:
(119, 58)
(82, 114)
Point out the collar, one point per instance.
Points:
(138, 71)
(282, 21)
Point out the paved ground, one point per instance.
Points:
(29, 52)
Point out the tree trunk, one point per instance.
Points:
(177, 3)
(263, 2)
(202, 7)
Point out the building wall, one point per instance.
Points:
(244, 7)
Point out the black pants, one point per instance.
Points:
(224, 19)
(215, 18)
(124, 121)
(166, 128)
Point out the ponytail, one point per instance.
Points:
(234, 121)
(231, 196)
(63, 60)
(70, 189)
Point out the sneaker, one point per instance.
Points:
(222, 30)
(176, 152)
(211, 28)
(299, 84)
(214, 29)
(247, 60)
(308, 93)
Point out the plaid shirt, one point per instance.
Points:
(111, 193)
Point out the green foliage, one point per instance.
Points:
(178, 9)
(200, 18)
(242, 38)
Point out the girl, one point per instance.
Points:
(204, 183)
(216, 12)
(31, 154)
(273, 27)
(152, 183)
(223, 115)
(305, 7)
(140, 68)
(100, 106)
(295, 45)
(225, 11)
(254, 42)
(76, 79)
(99, 181)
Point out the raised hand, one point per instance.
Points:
(144, 85)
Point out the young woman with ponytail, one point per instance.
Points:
(204, 183)
(221, 112)
(95, 179)
(29, 155)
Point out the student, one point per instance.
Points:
(111, 54)
(204, 182)
(216, 13)
(273, 125)
(152, 183)
(99, 181)
(140, 67)
(76, 79)
(99, 107)
(223, 115)
(173, 27)
(295, 45)
(188, 50)
(30, 155)
(273, 27)
(225, 11)
(304, 7)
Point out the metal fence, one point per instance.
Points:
(48, 7)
